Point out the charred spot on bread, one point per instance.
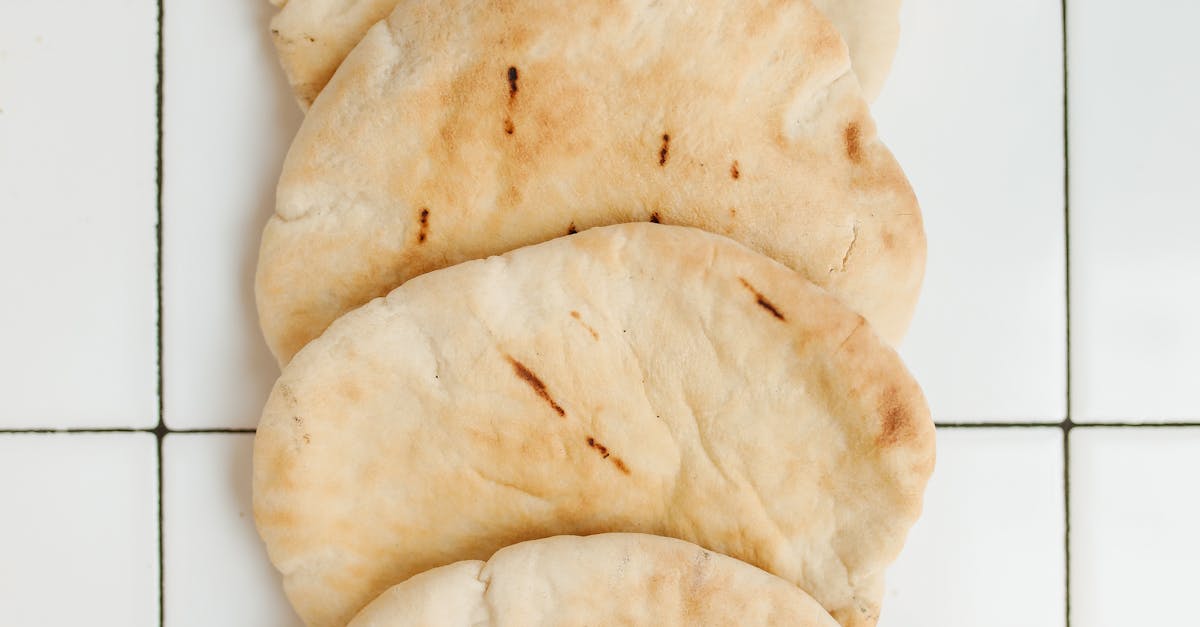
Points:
(535, 382)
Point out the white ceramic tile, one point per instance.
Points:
(78, 530)
(216, 568)
(77, 213)
(989, 549)
(1135, 510)
(227, 124)
(973, 112)
(1135, 210)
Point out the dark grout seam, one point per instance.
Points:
(1067, 425)
(160, 430)
(996, 425)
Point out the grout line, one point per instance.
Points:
(209, 431)
(161, 429)
(67, 431)
(1135, 425)
(1067, 425)
(996, 425)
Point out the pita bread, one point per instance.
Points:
(637, 378)
(609, 579)
(460, 129)
(871, 30)
(313, 37)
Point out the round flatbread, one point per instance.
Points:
(313, 37)
(460, 129)
(609, 579)
(635, 378)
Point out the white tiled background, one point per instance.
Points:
(111, 521)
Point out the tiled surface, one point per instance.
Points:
(78, 530)
(1134, 542)
(973, 112)
(216, 569)
(228, 120)
(988, 550)
(77, 213)
(1135, 209)
(992, 531)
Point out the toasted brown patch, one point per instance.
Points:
(575, 315)
(762, 300)
(655, 218)
(527, 375)
(620, 465)
(897, 423)
(664, 153)
(423, 220)
(734, 172)
(571, 230)
(509, 128)
(851, 137)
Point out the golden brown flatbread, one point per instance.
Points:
(313, 37)
(635, 378)
(459, 129)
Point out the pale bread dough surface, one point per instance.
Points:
(635, 378)
(616, 579)
(459, 129)
(313, 37)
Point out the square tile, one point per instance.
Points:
(1135, 295)
(973, 112)
(1134, 516)
(77, 213)
(216, 569)
(228, 121)
(79, 532)
(989, 549)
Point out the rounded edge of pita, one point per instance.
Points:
(607, 579)
(313, 37)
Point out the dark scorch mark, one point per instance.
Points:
(665, 152)
(734, 172)
(423, 232)
(512, 83)
(526, 375)
(606, 454)
(571, 230)
(762, 300)
(655, 218)
(509, 128)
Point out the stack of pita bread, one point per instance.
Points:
(585, 313)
